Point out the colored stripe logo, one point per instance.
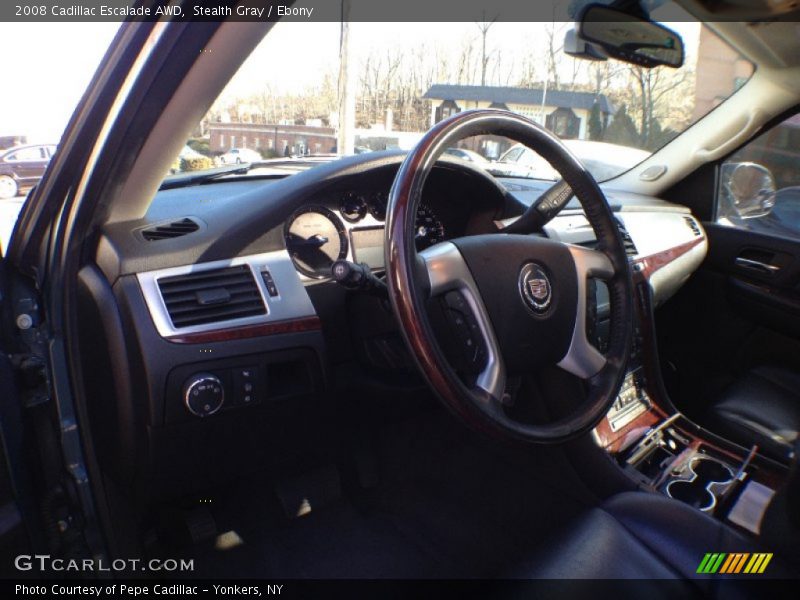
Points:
(734, 563)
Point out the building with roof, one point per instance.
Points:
(720, 71)
(563, 112)
(273, 139)
(294, 139)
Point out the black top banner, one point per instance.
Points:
(319, 10)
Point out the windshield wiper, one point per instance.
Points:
(186, 179)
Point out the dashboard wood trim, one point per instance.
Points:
(616, 441)
(647, 265)
(248, 331)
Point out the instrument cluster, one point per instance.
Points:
(355, 206)
(350, 226)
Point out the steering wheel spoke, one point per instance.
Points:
(448, 272)
(582, 358)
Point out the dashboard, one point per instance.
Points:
(217, 311)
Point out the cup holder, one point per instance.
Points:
(710, 470)
(695, 491)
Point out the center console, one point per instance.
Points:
(631, 402)
(663, 451)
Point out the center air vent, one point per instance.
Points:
(170, 230)
(630, 247)
(693, 226)
(211, 296)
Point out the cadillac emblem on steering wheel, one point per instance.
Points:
(535, 288)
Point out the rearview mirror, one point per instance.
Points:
(630, 38)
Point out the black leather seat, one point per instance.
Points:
(639, 535)
(761, 407)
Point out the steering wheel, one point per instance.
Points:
(515, 303)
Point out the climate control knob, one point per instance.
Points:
(203, 394)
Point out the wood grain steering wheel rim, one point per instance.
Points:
(481, 270)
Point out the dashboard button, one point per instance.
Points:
(245, 386)
(269, 282)
(203, 394)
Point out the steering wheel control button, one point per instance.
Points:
(535, 288)
(203, 394)
(467, 331)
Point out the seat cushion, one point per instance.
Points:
(640, 535)
(761, 407)
(635, 535)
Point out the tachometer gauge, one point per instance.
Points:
(315, 238)
(353, 207)
(428, 228)
(377, 205)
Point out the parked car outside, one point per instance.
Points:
(603, 160)
(22, 167)
(239, 155)
(468, 155)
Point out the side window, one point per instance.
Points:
(759, 186)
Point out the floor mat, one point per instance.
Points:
(449, 505)
(479, 503)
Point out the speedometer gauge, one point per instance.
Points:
(315, 238)
(428, 229)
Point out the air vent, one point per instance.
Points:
(630, 247)
(693, 226)
(211, 296)
(170, 230)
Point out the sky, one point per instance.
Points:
(57, 61)
(309, 49)
(50, 66)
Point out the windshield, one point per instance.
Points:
(367, 87)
